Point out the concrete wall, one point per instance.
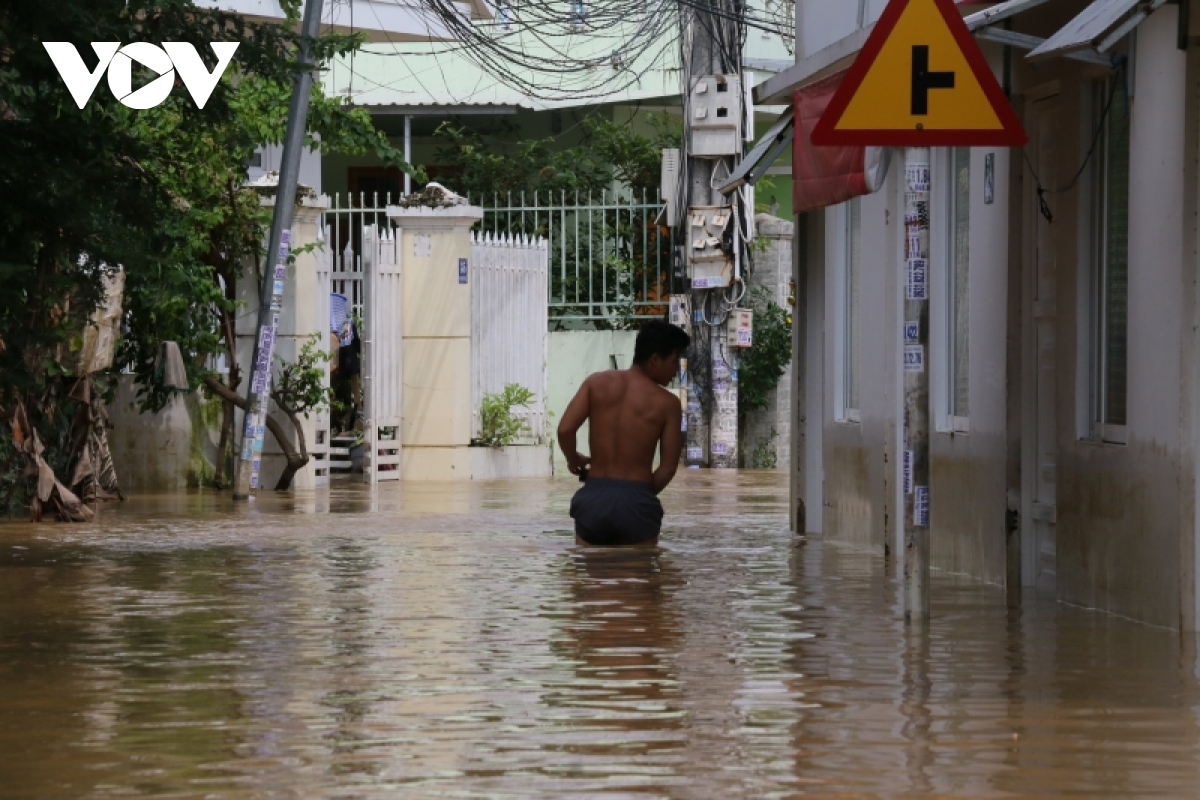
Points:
(1120, 508)
(574, 355)
(437, 341)
(807, 484)
(769, 430)
(859, 506)
(170, 451)
(176, 448)
(1189, 547)
(1125, 514)
(967, 532)
(850, 479)
(436, 418)
(820, 23)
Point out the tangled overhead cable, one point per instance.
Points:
(556, 50)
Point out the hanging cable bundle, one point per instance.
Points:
(555, 51)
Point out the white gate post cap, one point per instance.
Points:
(267, 185)
(435, 207)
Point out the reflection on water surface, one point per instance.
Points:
(450, 640)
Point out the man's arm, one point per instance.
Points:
(670, 447)
(572, 420)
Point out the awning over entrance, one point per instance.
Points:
(763, 154)
(1000, 12)
(1085, 38)
(1100, 26)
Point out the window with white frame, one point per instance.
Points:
(848, 332)
(504, 15)
(952, 386)
(1110, 273)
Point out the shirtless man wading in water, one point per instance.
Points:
(631, 415)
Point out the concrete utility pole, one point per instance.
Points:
(916, 385)
(270, 299)
(711, 439)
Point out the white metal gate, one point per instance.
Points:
(382, 357)
(509, 322)
(318, 448)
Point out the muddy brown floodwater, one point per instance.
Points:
(451, 641)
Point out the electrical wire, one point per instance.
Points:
(552, 50)
(1119, 62)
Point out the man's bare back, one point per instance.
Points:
(631, 416)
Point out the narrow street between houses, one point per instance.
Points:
(423, 640)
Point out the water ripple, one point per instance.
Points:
(450, 641)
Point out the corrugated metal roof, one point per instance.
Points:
(998, 13)
(1101, 25)
(430, 108)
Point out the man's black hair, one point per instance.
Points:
(659, 338)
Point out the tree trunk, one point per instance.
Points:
(294, 464)
(227, 415)
(296, 459)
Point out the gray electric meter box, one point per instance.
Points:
(670, 184)
(715, 110)
(709, 265)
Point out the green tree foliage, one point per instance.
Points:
(610, 256)
(155, 192)
(610, 152)
(762, 365)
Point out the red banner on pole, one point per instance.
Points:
(825, 176)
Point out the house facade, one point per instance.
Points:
(1063, 314)
(412, 88)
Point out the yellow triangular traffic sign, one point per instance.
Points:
(920, 80)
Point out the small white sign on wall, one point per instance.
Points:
(921, 507)
(422, 245)
(914, 358)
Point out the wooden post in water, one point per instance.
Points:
(916, 386)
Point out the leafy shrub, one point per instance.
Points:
(763, 364)
(498, 425)
(765, 454)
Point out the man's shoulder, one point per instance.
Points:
(606, 377)
(668, 398)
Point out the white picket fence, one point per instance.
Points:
(319, 447)
(509, 319)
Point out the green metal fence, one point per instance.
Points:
(610, 259)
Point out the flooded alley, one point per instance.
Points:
(450, 640)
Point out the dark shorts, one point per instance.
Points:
(608, 511)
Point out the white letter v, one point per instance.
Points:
(80, 83)
(196, 77)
